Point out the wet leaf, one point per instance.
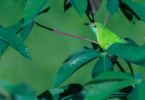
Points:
(68, 68)
(12, 39)
(89, 46)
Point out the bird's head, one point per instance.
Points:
(96, 27)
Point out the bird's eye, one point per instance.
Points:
(95, 26)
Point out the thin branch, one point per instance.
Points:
(65, 33)
(106, 18)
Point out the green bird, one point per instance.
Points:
(105, 37)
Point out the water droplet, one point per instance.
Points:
(28, 54)
(26, 48)
(17, 42)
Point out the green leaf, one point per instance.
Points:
(68, 68)
(128, 12)
(103, 64)
(24, 92)
(112, 6)
(32, 8)
(138, 92)
(132, 54)
(110, 76)
(102, 90)
(14, 29)
(80, 6)
(139, 9)
(89, 46)
(63, 93)
(130, 42)
(11, 38)
(26, 30)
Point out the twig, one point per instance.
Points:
(106, 18)
(66, 33)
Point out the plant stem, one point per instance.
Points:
(66, 33)
(106, 18)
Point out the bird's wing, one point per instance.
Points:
(111, 37)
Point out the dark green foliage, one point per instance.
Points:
(68, 68)
(32, 8)
(112, 6)
(107, 83)
(9, 91)
(71, 91)
(103, 64)
(105, 79)
(10, 37)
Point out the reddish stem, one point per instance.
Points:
(66, 33)
(106, 18)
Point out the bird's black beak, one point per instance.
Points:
(87, 24)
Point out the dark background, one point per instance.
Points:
(49, 49)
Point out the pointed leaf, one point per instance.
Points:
(64, 93)
(14, 29)
(32, 8)
(110, 76)
(102, 90)
(128, 12)
(68, 68)
(132, 54)
(26, 30)
(112, 6)
(138, 92)
(103, 64)
(139, 9)
(12, 39)
(129, 42)
(89, 46)
(80, 6)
